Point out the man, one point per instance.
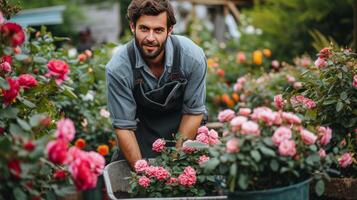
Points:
(156, 83)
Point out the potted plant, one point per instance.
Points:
(267, 154)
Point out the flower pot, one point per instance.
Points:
(299, 191)
(341, 188)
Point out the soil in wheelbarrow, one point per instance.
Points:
(122, 195)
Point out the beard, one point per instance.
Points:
(150, 54)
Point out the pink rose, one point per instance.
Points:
(104, 113)
(245, 111)
(150, 171)
(297, 85)
(290, 79)
(82, 174)
(320, 63)
(279, 101)
(203, 129)
(11, 94)
(13, 32)
(354, 83)
(97, 162)
(308, 137)
(326, 134)
(2, 19)
(322, 153)
(237, 122)
(241, 57)
(291, 118)
(140, 166)
(287, 148)
(57, 151)
(188, 177)
(213, 137)
(281, 134)
(250, 127)
(202, 159)
(275, 64)
(232, 146)
(171, 181)
(65, 130)
(345, 160)
(226, 115)
(202, 137)
(188, 149)
(161, 173)
(5, 67)
(59, 69)
(159, 145)
(264, 114)
(27, 81)
(309, 103)
(73, 154)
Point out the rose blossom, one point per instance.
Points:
(11, 94)
(97, 162)
(59, 174)
(104, 113)
(226, 115)
(15, 168)
(188, 177)
(232, 146)
(308, 137)
(13, 32)
(281, 134)
(297, 85)
(57, 151)
(82, 174)
(5, 66)
(320, 63)
(322, 153)
(324, 53)
(27, 81)
(144, 181)
(275, 64)
(2, 19)
(245, 111)
(188, 149)
(158, 145)
(326, 135)
(202, 138)
(140, 166)
(237, 122)
(161, 173)
(213, 137)
(203, 129)
(250, 127)
(171, 181)
(291, 118)
(354, 83)
(290, 79)
(309, 103)
(65, 130)
(202, 159)
(345, 160)
(59, 69)
(287, 148)
(279, 101)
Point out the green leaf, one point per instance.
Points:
(256, 155)
(233, 170)
(9, 113)
(211, 164)
(267, 151)
(274, 165)
(267, 141)
(311, 114)
(21, 57)
(319, 187)
(27, 103)
(24, 125)
(69, 93)
(339, 106)
(243, 181)
(328, 102)
(15, 129)
(38, 59)
(19, 194)
(4, 84)
(343, 95)
(36, 119)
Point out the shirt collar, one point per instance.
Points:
(169, 54)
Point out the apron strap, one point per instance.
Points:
(176, 73)
(136, 72)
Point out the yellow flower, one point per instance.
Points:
(257, 57)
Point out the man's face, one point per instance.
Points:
(151, 33)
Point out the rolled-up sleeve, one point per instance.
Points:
(121, 102)
(195, 93)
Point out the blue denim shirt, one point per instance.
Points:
(120, 83)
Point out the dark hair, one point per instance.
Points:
(137, 8)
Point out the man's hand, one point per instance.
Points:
(188, 128)
(128, 145)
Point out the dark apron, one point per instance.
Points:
(159, 111)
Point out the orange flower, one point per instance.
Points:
(211, 63)
(257, 57)
(80, 143)
(112, 142)
(225, 98)
(220, 72)
(267, 53)
(82, 57)
(230, 103)
(103, 150)
(235, 97)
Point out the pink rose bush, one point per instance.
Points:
(176, 172)
(267, 144)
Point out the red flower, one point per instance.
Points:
(5, 66)
(59, 175)
(2, 130)
(11, 94)
(14, 32)
(324, 53)
(29, 146)
(6, 59)
(27, 81)
(57, 151)
(59, 69)
(15, 169)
